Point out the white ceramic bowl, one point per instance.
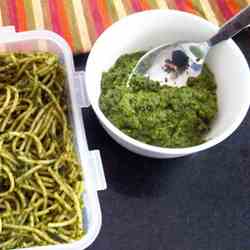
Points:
(148, 29)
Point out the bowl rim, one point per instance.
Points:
(151, 148)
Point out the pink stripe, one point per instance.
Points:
(136, 5)
(54, 17)
(224, 8)
(180, 5)
(96, 16)
(12, 13)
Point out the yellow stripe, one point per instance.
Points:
(162, 4)
(208, 11)
(81, 24)
(38, 14)
(39, 22)
(120, 10)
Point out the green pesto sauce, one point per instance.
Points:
(162, 116)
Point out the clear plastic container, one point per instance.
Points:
(94, 179)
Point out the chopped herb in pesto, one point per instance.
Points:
(158, 115)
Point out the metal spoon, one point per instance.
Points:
(173, 64)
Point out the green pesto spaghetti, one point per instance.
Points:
(40, 176)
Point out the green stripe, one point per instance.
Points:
(73, 26)
(153, 4)
(112, 10)
(29, 14)
(198, 7)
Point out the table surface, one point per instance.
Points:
(200, 202)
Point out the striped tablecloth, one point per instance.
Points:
(80, 22)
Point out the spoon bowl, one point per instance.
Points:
(173, 64)
(156, 64)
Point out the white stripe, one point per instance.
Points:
(38, 14)
(120, 10)
(208, 11)
(162, 4)
(81, 24)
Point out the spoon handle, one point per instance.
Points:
(232, 27)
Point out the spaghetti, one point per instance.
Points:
(40, 176)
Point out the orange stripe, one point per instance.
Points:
(233, 6)
(185, 5)
(144, 5)
(190, 7)
(103, 10)
(64, 24)
(21, 17)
